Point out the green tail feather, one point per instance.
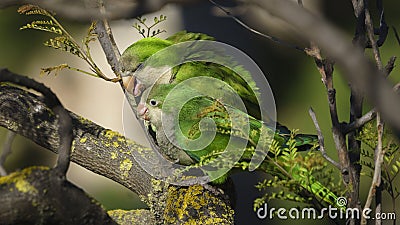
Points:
(304, 142)
(282, 138)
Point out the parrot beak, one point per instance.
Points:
(133, 85)
(142, 111)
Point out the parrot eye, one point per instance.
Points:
(153, 102)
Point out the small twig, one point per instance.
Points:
(6, 151)
(379, 152)
(376, 180)
(383, 29)
(396, 34)
(370, 32)
(372, 113)
(359, 122)
(390, 65)
(107, 42)
(271, 38)
(321, 139)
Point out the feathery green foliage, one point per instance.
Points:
(63, 41)
(290, 169)
(391, 161)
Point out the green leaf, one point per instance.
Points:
(395, 168)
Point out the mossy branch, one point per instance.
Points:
(103, 152)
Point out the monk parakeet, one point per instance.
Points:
(161, 102)
(173, 141)
(133, 57)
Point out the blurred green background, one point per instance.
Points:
(294, 79)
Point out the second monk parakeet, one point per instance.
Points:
(156, 106)
(157, 84)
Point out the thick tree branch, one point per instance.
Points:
(37, 195)
(40, 195)
(79, 10)
(109, 154)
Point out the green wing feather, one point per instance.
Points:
(182, 36)
(297, 173)
(200, 108)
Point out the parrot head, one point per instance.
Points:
(150, 107)
(133, 57)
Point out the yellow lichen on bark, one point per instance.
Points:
(125, 166)
(19, 180)
(139, 216)
(194, 205)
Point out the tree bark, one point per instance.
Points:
(108, 153)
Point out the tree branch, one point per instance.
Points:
(78, 10)
(321, 139)
(358, 123)
(28, 190)
(356, 67)
(109, 154)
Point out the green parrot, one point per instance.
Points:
(175, 147)
(159, 103)
(235, 84)
(133, 57)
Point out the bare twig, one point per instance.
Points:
(321, 139)
(376, 180)
(366, 117)
(360, 121)
(396, 34)
(370, 32)
(390, 65)
(383, 29)
(379, 153)
(107, 42)
(269, 37)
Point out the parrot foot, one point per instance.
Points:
(214, 190)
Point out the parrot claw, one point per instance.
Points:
(214, 190)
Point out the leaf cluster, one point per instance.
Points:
(286, 163)
(147, 30)
(63, 41)
(391, 160)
